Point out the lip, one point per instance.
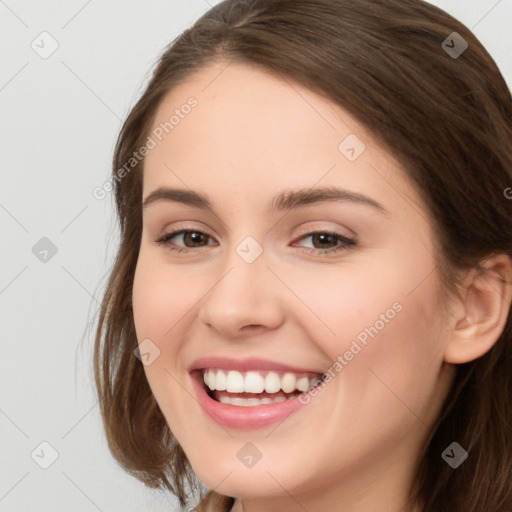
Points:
(247, 364)
(233, 416)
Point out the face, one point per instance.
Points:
(296, 256)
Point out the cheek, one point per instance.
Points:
(396, 372)
(157, 310)
(376, 320)
(162, 296)
(340, 303)
(385, 353)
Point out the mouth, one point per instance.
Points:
(253, 388)
(251, 394)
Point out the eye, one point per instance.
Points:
(329, 241)
(188, 236)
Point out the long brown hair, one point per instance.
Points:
(446, 118)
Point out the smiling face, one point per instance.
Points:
(261, 290)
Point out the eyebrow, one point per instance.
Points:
(284, 201)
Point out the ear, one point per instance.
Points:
(485, 305)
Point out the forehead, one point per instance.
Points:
(251, 132)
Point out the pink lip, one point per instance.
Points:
(233, 416)
(245, 365)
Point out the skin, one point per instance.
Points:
(355, 446)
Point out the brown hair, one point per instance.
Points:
(447, 120)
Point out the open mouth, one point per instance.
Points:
(253, 388)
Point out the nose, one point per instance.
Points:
(244, 298)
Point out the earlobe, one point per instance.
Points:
(486, 304)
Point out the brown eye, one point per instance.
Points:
(190, 239)
(327, 242)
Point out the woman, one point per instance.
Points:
(315, 268)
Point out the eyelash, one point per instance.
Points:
(346, 243)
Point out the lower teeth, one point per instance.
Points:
(249, 402)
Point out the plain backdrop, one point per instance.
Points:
(60, 115)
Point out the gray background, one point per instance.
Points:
(60, 118)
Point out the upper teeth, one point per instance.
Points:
(256, 382)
